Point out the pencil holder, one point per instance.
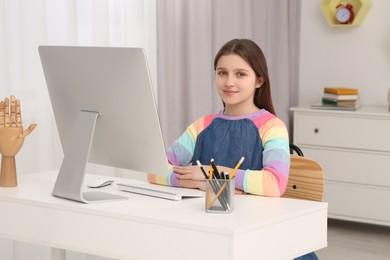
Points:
(220, 195)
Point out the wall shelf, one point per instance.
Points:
(360, 8)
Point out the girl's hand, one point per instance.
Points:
(192, 184)
(192, 172)
(192, 176)
(239, 192)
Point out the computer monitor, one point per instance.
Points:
(105, 111)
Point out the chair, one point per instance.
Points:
(306, 179)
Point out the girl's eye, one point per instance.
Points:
(240, 74)
(221, 73)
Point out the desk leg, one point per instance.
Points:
(58, 254)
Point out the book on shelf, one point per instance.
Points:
(336, 97)
(341, 103)
(340, 91)
(334, 107)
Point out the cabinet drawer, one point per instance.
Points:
(358, 203)
(354, 166)
(342, 131)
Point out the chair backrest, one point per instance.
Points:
(306, 179)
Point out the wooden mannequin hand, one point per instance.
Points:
(11, 130)
(12, 138)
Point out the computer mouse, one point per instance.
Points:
(98, 183)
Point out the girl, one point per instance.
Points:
(247, 126)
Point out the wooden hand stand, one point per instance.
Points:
(8, 172)
(11, 139)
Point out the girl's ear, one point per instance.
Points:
(260, 82)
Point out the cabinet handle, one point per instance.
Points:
(316, 130)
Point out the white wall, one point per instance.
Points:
(24, 25)
(357, 57)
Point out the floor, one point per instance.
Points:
(352, 241)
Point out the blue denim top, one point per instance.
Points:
(227, 140)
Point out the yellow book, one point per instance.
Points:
(341, 91)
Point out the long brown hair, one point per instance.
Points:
(254, 56)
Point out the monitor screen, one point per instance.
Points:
(105, 109)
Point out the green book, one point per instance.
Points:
(342, 103)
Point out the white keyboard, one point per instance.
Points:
(164, 192)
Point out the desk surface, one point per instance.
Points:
(150, 228)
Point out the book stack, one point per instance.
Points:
(339, 99)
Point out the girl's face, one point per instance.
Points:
(236, 84)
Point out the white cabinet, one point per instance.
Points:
(353, 147)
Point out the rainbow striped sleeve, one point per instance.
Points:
(182, 151)
(272, 179)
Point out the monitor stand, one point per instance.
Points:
(71, 174)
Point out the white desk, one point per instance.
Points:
(149, 228)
